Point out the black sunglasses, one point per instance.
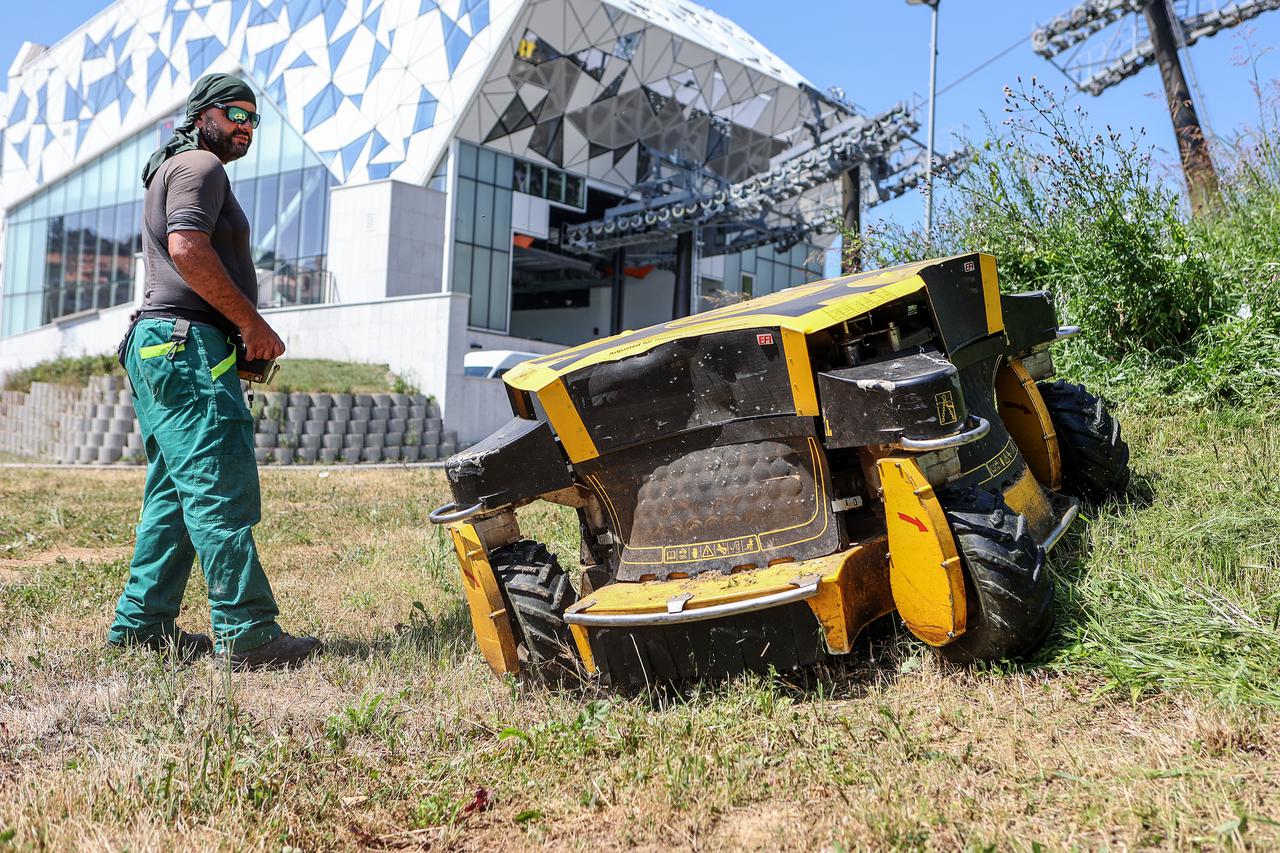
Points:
(239, 115)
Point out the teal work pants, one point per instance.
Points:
(201, 495)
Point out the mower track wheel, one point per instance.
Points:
(1008, 589)
(1095, 459)
(538, 592)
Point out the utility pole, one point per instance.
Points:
(851, 192)
(682, 295)
(619, 287)
(933, 101)
(1197, 164)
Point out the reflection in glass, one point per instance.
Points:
(71, 246)
(290, 215)
(555, 185)
(573, 190)
(53, 270)
(262, 223)
(480, 289)
(315, 207)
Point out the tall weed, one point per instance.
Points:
(1169, 306)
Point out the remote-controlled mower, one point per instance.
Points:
(757, 483)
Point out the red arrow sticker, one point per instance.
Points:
(917, 522)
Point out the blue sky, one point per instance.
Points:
(877, 50)
(884, 58)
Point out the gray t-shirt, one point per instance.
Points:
(191, 192)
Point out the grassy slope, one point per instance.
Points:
(332, 377)
(296, 374)
(1149, 721)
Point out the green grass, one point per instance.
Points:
(334, 377)
(1178, 588)
(75, 372)
(1150, 719)
(296, 374)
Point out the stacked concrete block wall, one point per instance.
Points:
(350, 428)
(54, 423)
(97, 424)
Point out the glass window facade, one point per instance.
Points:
(71, 246)
(482, 234)
(758, 271)
(551, 184)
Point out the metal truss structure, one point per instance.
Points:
(1125, 48)
(796, 198)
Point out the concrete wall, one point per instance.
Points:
(485, 407)
(481, 339)
(91, 334)
(416, 259)
(485, 404)
(422, 338)
(386, 238)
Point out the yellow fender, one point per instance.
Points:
(489, 615)
(1027, 418)
(924, 566)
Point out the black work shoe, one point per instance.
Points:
(284, 652)
(185, 645)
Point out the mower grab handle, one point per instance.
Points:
(450, 512)
(981, 426)
(804, 587)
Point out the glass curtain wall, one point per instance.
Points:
(551, 184)
(761, 270)
(70, 247)
(482, 234)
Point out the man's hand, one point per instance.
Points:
(202, 269)
(261, 341)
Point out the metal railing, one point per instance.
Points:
(300, 281)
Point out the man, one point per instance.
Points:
(201, 495)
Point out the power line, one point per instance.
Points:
(956, 82)
(1180, 34)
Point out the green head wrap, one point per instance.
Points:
(209, 90)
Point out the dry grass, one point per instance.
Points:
(385, 740)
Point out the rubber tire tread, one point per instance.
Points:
(1095, 459)
(1009, 592)
(538, 592)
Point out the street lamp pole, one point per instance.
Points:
(933, 100)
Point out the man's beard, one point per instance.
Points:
(226, 147)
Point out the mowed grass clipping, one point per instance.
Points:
(1150, 719)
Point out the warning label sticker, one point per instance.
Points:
(946, 404)
(710, 550)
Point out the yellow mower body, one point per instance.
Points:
(758, 483)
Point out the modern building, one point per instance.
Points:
(415, 176)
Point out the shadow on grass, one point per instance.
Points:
(884, 651)
(1141, 493)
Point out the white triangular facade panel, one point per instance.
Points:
(407, 70)
(641, 76)
(336, 71)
